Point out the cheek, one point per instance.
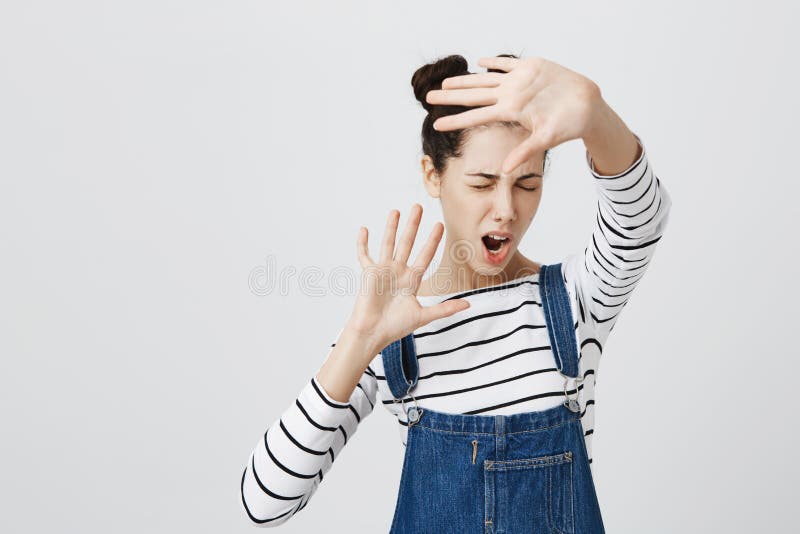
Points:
(531, 209)
(535, 204)
(463, 203)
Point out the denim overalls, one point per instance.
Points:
(524, 473)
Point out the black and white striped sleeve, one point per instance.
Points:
(632, 213)
(288, 463)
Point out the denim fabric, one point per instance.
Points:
(500, 474)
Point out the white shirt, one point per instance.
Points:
(492, 358)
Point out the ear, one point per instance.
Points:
(432, 181)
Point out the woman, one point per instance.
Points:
(490, 364)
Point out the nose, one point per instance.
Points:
(503, 205)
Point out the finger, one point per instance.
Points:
(444, 309)
(469, 118)
(362, 248)
(481, 79)
(477, 96)
(502, 63)
(534, 144)
(426, 254)
(389, 234)
(409, 235)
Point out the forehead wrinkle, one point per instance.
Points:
(491, 169)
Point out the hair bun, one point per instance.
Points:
(429, 77)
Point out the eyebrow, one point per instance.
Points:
(494, 176)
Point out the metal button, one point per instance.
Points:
(413, 415)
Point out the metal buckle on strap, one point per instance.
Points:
(413, 413)
(572, 402)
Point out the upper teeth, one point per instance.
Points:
(499, 238)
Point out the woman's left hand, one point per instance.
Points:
(552, 102)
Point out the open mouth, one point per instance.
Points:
(496, 246)
(494, 243)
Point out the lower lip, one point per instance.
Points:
(496, 259)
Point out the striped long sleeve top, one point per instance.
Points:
(492, 358)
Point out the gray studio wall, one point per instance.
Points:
(154, 155)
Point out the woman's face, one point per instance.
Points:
(477, 200)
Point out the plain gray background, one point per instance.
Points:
(155, 157)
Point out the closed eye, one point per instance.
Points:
(479, 187)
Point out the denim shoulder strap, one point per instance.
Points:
(400, 365)
(558, 316)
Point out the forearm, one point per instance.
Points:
(288, 463)
(346, 363)
(632, 213)
(610, 143)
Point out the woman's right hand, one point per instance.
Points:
(387, 308)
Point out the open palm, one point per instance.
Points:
(387, 308)
(553, 102)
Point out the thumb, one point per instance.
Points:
(444, 309)
(524, 151)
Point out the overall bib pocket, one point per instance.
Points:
(537, 492)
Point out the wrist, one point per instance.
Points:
(369, 340)
(611, 145)
(346, 363)
(603, 121)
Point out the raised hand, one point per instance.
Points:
(387, 308)
(554, 103)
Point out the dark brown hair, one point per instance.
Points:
(441, 146)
